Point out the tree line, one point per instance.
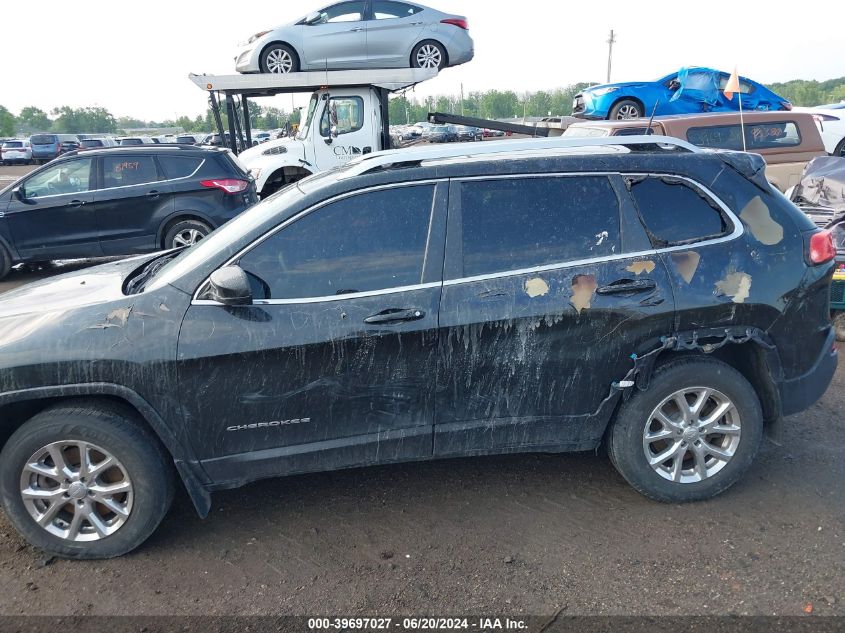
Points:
(489, 104)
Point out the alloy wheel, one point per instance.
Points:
(188, 237)
(429, 56)
(692, 435)
(628, 112)
(76, 490)
(279, 61)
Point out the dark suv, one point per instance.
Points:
(422, 304)
(120, 201)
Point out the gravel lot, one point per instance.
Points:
(519, 534)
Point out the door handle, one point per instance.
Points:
(395, 315)
(75, 203)
(153, 194)
(627, 285)
(356, 30)
(416, 23)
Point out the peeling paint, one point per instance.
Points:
(536, 287)
(116, 318)
(686, 264)
(644, 266)
(737, 286)
(583, 289)
(759, 220)
(601, 237)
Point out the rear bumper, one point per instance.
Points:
(798, 394)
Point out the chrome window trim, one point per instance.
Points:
(738, 231)
(140, 184)
(308, 211)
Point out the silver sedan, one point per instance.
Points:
(360, 34)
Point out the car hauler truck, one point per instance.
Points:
(347, 117)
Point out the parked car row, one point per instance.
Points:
(120, 201)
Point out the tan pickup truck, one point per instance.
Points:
(787, 141)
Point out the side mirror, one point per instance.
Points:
(19, 193)
(334, 132)
(230, 286)
(313, 18)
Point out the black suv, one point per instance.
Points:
(421, 304)
(120, 201)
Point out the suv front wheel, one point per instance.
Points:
(691, 435)
(85, 480)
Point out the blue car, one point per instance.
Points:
(688, 91)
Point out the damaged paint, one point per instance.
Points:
(737, 286)
(686, 263)
(116, 318)
(583, 289)
(759, 221)
(644, 266)
(536, 287)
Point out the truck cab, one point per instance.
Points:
(339, 125)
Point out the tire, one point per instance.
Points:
(627, 444)
(5, 262)
(185, 233)
(625, 109)
(840, 149)
(106, 430)
(279, 59)
(429, 54)
(839, 325)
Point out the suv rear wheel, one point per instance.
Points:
(185, 233)
(691, 435)
(85, 481)
(5, 262)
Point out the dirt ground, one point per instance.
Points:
(521, 534)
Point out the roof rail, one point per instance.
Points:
(416, 155)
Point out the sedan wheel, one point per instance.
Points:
(428, 55)
(76, 491)
(279, 59)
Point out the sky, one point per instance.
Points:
(134, 59)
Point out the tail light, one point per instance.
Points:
(786, 105)
(821, 248)
(58, 148)
(233, 185)
(459, 22)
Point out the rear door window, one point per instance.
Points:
(125, 171)
(371, 241)
(519, 223)
(674, 212)
(385, 9)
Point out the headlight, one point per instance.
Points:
(257, 35)
(604, 91)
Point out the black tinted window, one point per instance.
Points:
(43, 139)
(91, 142)
(121, 171)
(371, 241)
(179, 166)
(522, 223)
(674, 212)
(757, 136)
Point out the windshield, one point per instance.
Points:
(219, 240)
(43, 139)
(312, 107)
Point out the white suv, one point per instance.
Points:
(16, 151)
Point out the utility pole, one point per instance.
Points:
(610, 42)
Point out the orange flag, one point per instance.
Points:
(732, 86)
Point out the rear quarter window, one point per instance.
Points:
(179, 166)
(674, 212)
